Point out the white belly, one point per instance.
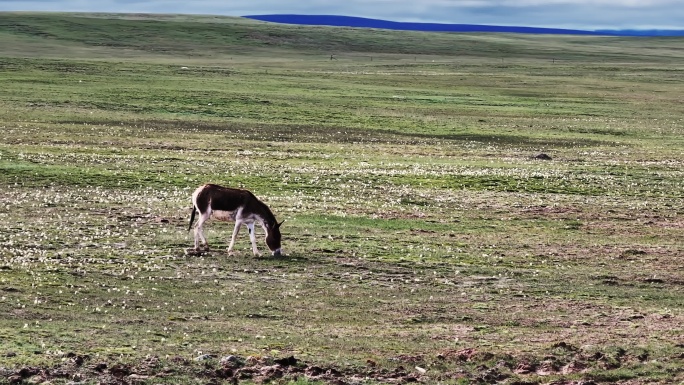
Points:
(223, 215)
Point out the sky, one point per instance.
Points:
(572, 14)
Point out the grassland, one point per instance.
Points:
(424, 240)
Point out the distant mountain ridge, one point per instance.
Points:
(361, 22)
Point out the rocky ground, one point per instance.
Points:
(456, 366)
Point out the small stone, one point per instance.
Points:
(231, 361)
(542, 156)
(205, 357)
(137, 378)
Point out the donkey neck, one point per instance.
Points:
(265, 216)
(259, 211)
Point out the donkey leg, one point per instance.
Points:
(252, 237)
(199, 231)
(236, 230)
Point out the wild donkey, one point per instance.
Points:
(237, 205)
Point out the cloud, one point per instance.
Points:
(583, 14)
(534, 3)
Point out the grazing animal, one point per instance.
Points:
(237, 205)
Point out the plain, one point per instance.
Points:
(426, 240)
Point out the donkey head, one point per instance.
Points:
(273, 238)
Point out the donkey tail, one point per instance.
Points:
(192, 217)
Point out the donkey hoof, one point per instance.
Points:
(197, 250)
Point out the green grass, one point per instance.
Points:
(419, 229)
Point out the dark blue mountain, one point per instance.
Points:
(360, 22)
